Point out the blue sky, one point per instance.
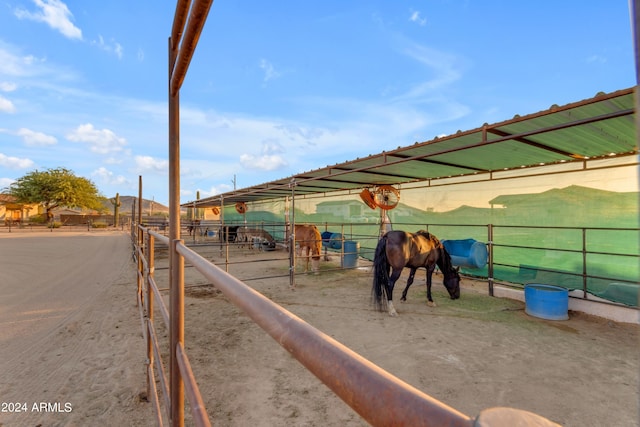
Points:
(279, 88)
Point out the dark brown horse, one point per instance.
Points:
(399, 249)
(308, 237)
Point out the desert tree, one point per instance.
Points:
(56, 187)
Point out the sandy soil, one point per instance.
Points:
(71, 334)
(71, 347)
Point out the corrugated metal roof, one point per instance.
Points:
(599, 127)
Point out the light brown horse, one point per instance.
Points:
(308, 237)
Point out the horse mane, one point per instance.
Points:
(444, 260)
(425, 234)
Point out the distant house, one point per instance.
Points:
(14, 212)
(342, 209)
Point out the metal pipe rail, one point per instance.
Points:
(148, 289)
(164, 383)
(194, 397)
(379, 397)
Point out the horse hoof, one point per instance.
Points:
(393, 314)
(431, 303)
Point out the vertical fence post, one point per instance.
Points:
(490, 268)
(140, 242)
(584, 263)
(292, 236)
(176, 335)
(176, 285)
(149, 312)
(226, 248)
(139, 255)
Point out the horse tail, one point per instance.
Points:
(380, 275)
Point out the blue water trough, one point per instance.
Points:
(546, 301)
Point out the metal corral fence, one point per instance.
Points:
(341, 240)
(598, 261)
(377, 396)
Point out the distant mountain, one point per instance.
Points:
(149, 207)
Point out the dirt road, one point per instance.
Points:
(71, 348)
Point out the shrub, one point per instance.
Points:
(38, 219)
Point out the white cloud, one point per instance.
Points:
(269, 160)
(102, 141)
(8, 87)
(6, 106)
(36, 139)
(597, 59)
(54, 13)
(16, 65)
(212, 191)
(270, 72)
(106, 176)
(148, 163)
(445, 67)
(415, 17)
(15, 162)
(112, 46)
(266, 162)
(6, 182)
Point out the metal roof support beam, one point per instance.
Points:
(197, 18)
(538, 145)
(181, 47)
(176, 282)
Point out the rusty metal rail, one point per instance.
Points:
(194, 397)
(147, 294)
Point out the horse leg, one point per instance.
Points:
(430, 269)
(315, 264)
(412, 273)
(392, 281)
(306, 258)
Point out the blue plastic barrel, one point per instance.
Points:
(467, 252)
(335, 241)
(350, 257)
(546, 301)
(326, 238)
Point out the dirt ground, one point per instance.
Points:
(71, 335)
